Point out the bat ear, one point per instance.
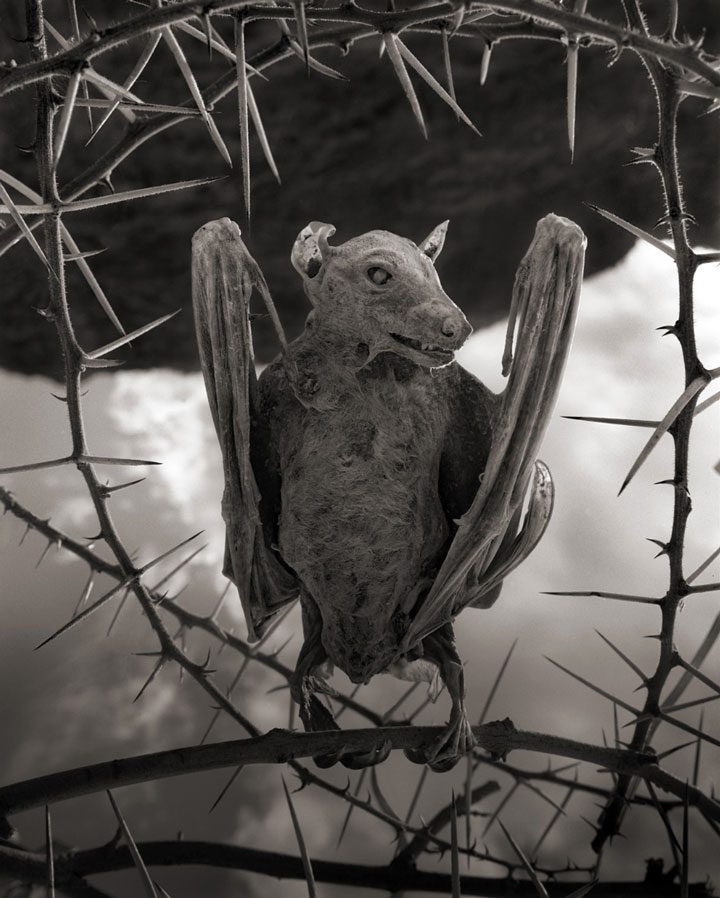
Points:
(310, 250)
(432, 245)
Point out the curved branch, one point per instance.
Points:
(390, 878)
(282, 746)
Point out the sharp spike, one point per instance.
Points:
(485, 62)
(153, 674)
(390, 42)
(688, 729)
(671, 751)
(44, 553)
(301, 21)
(108, 490)
(685, 870)
(242, 98)
(314, 63)
(556, 816)
(708, 561)
(663, 546)
(674, 844)
(691, 391)
(85, 594)
(499, 809)
(125, 196)
(205, 22)
(627, 422)
(104, 460)
(429, 79)
(539, 887)
(684, 705)
(307, 865)
(149, 888)
(630, 663)
(127, 338)
(38, 465)
(454, 851)
(192, 84)
(262, 136)
(83, 614)
(100, 363)
(178, 567)
(642, 600)
(351, 806)
(496, 683)
(698, 747)
(572, 71)
(698, 674)
(225, 788)
(594, 688)
(74, 257)
(447, 63)
(66, 114)
(138, 69)
(635, 231)
(13, 210)
(469, 769)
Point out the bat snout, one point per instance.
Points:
(456, 329)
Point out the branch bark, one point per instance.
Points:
(282, 746)
(71, 867)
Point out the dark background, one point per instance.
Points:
(351, 153)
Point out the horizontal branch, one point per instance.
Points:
(30, 866)
(281, 746)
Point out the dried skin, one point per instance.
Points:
(352, 467)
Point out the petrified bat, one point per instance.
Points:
(366, 472)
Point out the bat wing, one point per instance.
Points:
(224, 275)
(485, 548)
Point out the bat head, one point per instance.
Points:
(382, 291)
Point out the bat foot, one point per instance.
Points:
(442, 754)
(316, 718)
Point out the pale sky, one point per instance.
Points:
(71, 701)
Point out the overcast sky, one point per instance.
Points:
(71, 702)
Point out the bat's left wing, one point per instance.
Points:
(484, 549)
(224, 276)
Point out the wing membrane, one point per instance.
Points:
(224, 275)
(543, 311)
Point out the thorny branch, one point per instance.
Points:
(372, 22)
(392, 877)
(665, 80)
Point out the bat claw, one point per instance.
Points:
(442, 754)
(359, 760)
(328, 760)
(316, 717)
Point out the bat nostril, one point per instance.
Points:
(449, 328)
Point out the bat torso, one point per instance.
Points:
(361, 520)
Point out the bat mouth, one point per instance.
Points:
(428, 350)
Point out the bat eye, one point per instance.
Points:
(378, 275)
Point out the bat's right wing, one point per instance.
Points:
(485, 548)
(224, 275)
